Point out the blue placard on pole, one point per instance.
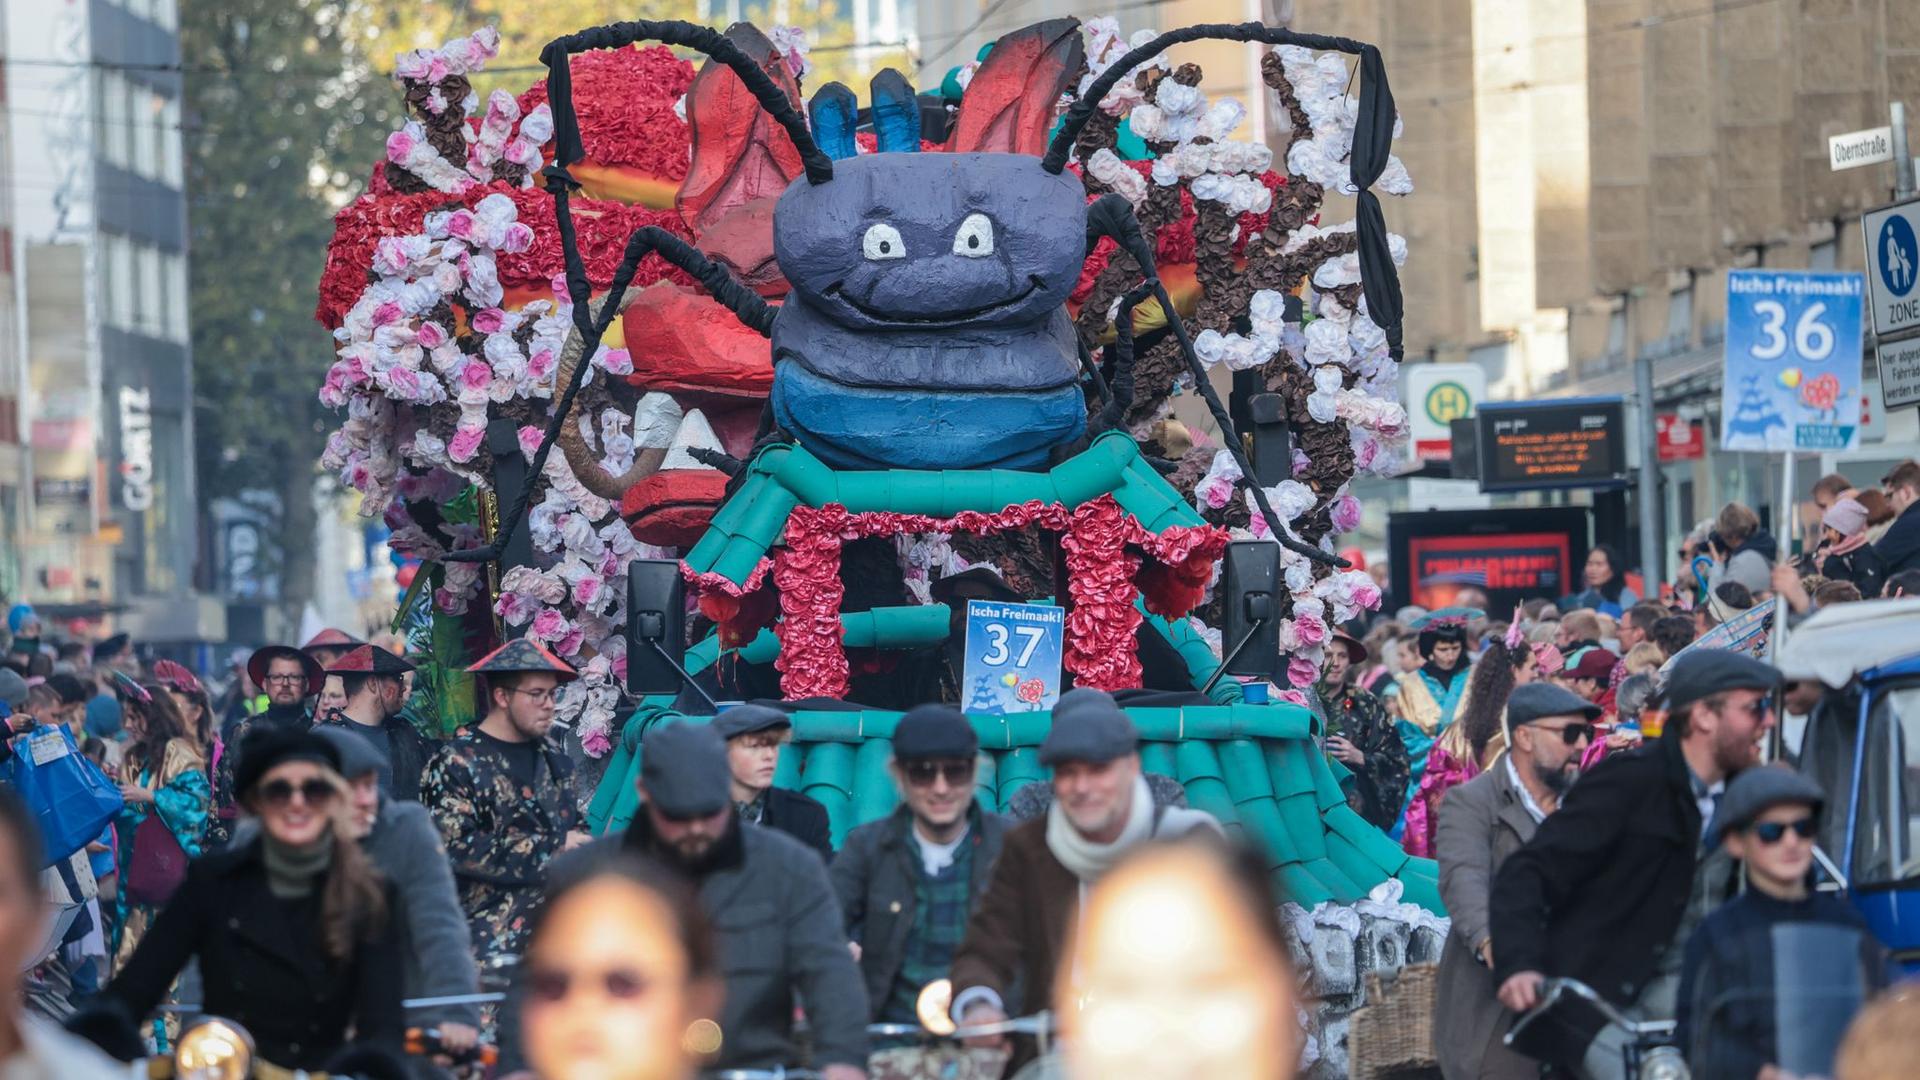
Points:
(1793, 351)
(1012, 657)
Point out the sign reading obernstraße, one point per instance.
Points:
(1793, 361)
(1857, 148)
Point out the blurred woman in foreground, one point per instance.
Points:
(1180, 970)
(622, 978)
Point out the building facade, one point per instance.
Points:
(94, 183)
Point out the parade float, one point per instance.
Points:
(810, 358)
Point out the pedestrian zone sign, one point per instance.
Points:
(1892, 237)
(1012, 657)
(1793, 377)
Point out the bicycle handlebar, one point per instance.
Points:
(1554, 988)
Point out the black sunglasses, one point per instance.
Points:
(1573, 733)
(1772, 832)
(923, 773)
(552, 985)
(314, 791)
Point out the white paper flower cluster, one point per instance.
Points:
(1105, 45)
(1320, 83)
(501, 135)
(1214, 166)
(1268, 314)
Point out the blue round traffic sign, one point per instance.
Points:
(1898, 255)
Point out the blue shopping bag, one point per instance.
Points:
(70, 797)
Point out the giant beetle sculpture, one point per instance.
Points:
(927, 325)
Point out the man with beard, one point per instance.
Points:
(1614, 882)
(372, 678)
(503, 797)
(289, 678)
(1481, 824)
(776, 921)
(1102, 809)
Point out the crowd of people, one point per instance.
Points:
(301, 853)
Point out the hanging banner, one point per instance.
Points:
(1793, 351)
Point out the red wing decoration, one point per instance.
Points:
(1009, 106)
(739, 153)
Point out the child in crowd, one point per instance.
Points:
(1768, 819)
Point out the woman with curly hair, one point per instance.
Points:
(164, 776)
(1476, 739)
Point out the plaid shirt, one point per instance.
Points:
(941, 904)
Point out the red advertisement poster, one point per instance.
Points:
(1536, 564)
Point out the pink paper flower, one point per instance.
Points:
(388, 313)
(1301, 671)
(399, 145)
(465, 443)
(1309, 629)
(550, 625)
(530, 437)
(586, 590)
(475, 375)
(460, 224)
(489, 320)
(540, 365)
(616, 361)
(1346, 513)
(430, 336)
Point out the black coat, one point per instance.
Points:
(1601, 889)
(800, 817)
(1899, 547)
(408, 752)
(877, 876)
(1861, 566)
(263, 965)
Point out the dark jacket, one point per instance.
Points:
(262, 964)
(1601, 889)
(407, 753)
(800, 817)
(1862, 566)
(779, 933)
(876, 876)
(1481, 824)
(1899, 548)
(438, 951)
(1019, 926)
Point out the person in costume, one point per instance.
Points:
(1425, 699)
(164, 775)
(289, 678)
(503, 797)
(373, 679)
(1361, 736)
(1477, 738)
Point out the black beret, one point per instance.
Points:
(934, 731)
(265, 747)
(747, 719)
(1700, 673)
(1539, 700)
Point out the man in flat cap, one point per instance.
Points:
(1611, 885)
(503, 797)
(373, 680)
(774, 915)
(909, 882)
(1480, 825)
(1102, 808)
(754, 735)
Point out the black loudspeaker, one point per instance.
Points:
(1251, 581)
(656, 626)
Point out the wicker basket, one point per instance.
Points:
(1391, 1037)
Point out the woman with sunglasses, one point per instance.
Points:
(622, 977)
(1768, 820)
(163, 774)
(292, 928)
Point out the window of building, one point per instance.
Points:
(146, 120)
(116, 126)
(150, 315)
(121, 283)
(1680, 315)
(166, 13)
(1821, 255)
(172, 170)
(1617, 335)
(175, 313)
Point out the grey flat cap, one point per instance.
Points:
(1539, 700)
(934, 731)
(1704, 672)
(1088, 726)
(13, 689)
(747, 719)
(1760, 789)
(358, 755)
(683, 766)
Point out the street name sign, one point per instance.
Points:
(1857, 148)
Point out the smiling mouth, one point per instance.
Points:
(938, 318)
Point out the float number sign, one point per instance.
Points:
(1793, 350)
(1012, 657)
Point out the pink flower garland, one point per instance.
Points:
(1100, 545)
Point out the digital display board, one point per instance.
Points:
(1578, 442)
(1513, 554)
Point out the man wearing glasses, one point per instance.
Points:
(1613, 882)
(289, 677)
(503, 797)
(1480, 825)
(909, 882)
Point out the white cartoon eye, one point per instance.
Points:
(882, 241)
(975, 237)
